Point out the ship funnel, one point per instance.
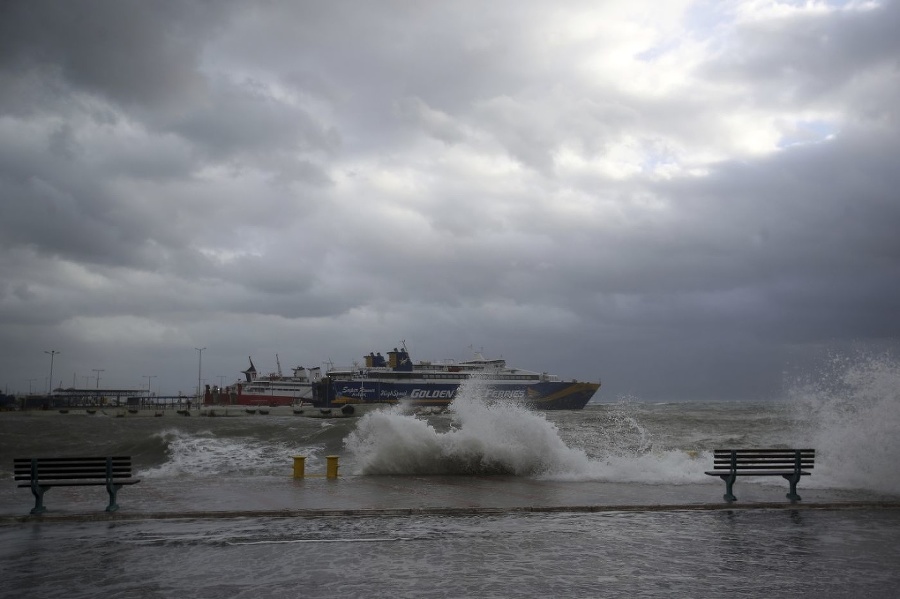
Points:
(250, 373)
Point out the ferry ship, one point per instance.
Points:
(422, 384)
(274, 389)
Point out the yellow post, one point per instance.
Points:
(331, 469)
(299, 466)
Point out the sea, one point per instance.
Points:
(621, 447)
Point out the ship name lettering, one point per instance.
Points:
(431, 394)
(506, 394)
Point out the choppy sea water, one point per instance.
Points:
(850, 416)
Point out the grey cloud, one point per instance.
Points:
(806, 57)
(245, 120)
(129, 51)
(325, 179)
(434, 122)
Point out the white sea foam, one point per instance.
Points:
(851, 411)
(202, 454)
(490, 436)
(486, 437)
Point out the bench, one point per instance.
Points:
(790, 464)
(43, 473)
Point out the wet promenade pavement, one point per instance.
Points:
(398, 495)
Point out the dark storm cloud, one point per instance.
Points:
(131, 52)
(62, 214)
(677, 198)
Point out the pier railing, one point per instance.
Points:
(87, 402)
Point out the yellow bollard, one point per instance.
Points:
(299, 466)
(331, 469)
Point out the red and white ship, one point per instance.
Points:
(272, 390)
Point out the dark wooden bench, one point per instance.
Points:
(790, 464)
(43, 473)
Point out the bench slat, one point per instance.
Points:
(71, 467)
(751, 454)
(61, 461)
(778, 456)
(751, 459)
(763, 450)
(755, 460)
(52, 477)
(95, 483)
(757, 473)
(744, 458)
(757, 466)
(70, 463)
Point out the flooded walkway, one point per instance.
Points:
(398, 495)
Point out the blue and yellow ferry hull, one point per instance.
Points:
(547, 395)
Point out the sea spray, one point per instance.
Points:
(500, 437)
(622, 433)
(622, 448)
(486, 437)
(850, 413)
(205, 454)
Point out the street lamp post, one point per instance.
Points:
(52, 353)
(199, 373)
(149, 378)
(98, 371)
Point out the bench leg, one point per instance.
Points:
(38, 492)
(112, 490)
(729, 486)
(793, 479)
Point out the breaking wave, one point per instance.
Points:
(499, 437)
(849, 412)
(204, 454)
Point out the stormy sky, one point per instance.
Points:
(685, 199)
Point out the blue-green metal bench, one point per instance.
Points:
(791, 464)
(43, 473)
